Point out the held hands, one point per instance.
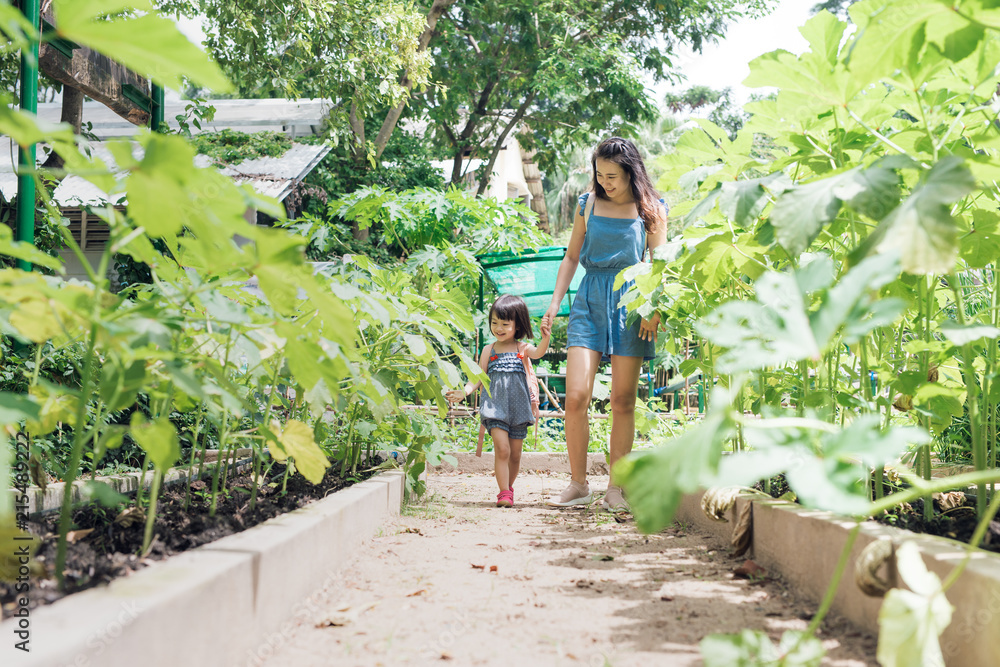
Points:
(547, 319)
(648, 328)
(455, 395)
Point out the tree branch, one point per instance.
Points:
(438, 8)
(498, 145)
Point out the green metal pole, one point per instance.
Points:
(482, 294)
(26, 155)
(156, 117)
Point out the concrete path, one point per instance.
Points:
(458, 581)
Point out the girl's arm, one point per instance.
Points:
(567, 268)
(456, 395)
(543, 346)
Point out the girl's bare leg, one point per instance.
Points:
(514, 462)
(624, 386)
(581, 367)
(501, 457)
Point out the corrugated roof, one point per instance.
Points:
(294, 117)
(269, 176)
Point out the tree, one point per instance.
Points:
(350, 51)
(555, 65)
(719, 103)
(836, 7)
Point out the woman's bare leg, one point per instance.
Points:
(581, 367)
(624, 387)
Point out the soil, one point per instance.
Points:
(456, 580)
(111, 549)
(957, 523)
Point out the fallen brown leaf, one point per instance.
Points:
(750, 570)
(493, 568)
(950, 500)
(129, 516)
(74, 535)
(416, 593)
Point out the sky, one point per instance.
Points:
(726, 64)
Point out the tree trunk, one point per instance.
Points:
(438, 8)
(72, 113)
(471, 124)
(360, 154)
(72, 107)
(498, 145)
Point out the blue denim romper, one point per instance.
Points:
(596, 321)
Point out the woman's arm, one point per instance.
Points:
(567, 269)
(648, 328)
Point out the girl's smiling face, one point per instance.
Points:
(502, 329)
(612, 177)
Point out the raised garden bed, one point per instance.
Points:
(221, 603)
(803, 546)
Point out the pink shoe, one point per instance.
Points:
(505, 498)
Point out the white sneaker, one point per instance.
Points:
(614, 500)
(575, 494)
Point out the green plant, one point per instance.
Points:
(191, 356)
(841, 287)
(233, 147)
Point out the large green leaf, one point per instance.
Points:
(969, 333)
(753, 648)
(824, 32)
(149, 44)
(26, 251)
(15, 407)
(158, 438)
(82, 11)
(742, 201)
(296, 440)
(120, 384)
(800, 214)
(656, 480)
(910, 621)
(922, 228)
(890, 35)
(980, 247)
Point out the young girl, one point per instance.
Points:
(617, 223)
(506, 412)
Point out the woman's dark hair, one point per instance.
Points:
(625, 154)
(513, 308)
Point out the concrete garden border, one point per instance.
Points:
(803, 546)
(230, 602)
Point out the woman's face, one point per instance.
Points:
(612, 177)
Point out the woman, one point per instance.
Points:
(612, 231)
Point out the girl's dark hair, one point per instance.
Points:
(513, 308)
(625, 154)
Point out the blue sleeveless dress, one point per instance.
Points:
(596, 321)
